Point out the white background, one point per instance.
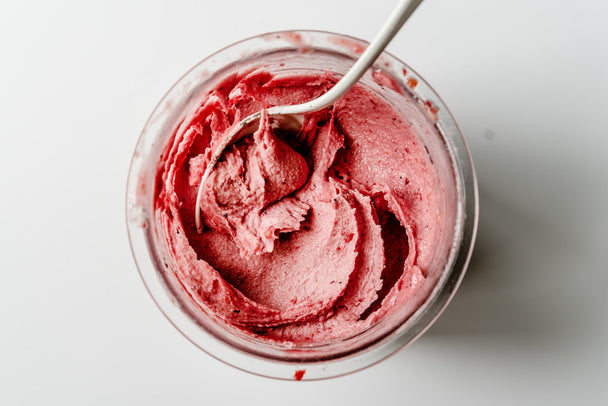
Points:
(526, 80)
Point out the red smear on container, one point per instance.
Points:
(354, 46)
(299, 374)
(432, 108)
(412, 83)
(293, 37)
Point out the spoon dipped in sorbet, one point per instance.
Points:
(292, 115)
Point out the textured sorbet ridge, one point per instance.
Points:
(311, 235)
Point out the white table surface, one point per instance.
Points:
(527, 80)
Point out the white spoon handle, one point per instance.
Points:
(399, 16)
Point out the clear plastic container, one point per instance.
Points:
(298, 51)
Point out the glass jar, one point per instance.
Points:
(294, 52)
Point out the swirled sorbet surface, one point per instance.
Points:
(311, 234)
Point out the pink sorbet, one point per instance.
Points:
(310, 236)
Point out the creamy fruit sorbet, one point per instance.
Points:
(311, 234)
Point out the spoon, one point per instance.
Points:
(401, 13)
